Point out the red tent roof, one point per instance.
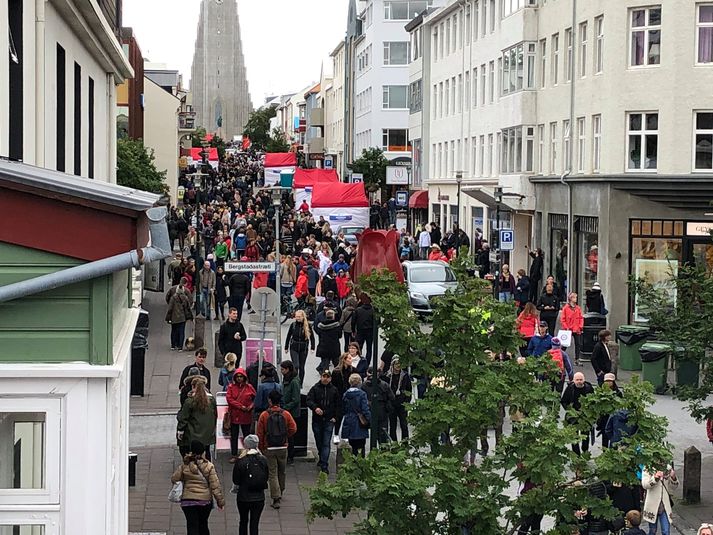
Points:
(305, 178)
(339, 194)
(197, 157)
(280, 159)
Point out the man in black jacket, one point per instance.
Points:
(199, 363)
(239, 285)
(383, 398)
(324, 402)
(601, 360)
(231, 336)
(329, 347)
(363, 327)
(572, 399)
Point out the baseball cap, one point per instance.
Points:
(326, 373)
(543, 324)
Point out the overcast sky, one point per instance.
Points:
(284, 41)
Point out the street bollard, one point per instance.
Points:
(692, 476)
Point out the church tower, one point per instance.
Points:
(221, 96)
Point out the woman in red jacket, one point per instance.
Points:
(343, 286)
(572, 319)
(301, 290)
(241, 399)
(527, 323)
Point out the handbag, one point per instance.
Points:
(363, 422)
(226, 422)
(176, 492)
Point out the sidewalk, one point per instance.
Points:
(152, 438)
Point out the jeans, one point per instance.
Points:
(205, 302)
(505, 297)
(665, 524)
(577, 339)
(197, 519)
(250, 514)
(358, 446)
(322, 430)
(369, 340)
(178, 334)
(347, 340)
(298, 354)
(277, 464)
(235, 434)
(398, 414)
(219, 309)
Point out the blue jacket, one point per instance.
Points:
(263, 390)
(539, 345)
(338, 265)
(618, 426)
(354, 398)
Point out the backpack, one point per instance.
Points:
(257, 475)
(276, 429)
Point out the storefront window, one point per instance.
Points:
(559, 241)
(436, 209)
(453, 220)
(587, 233)
(477, 232)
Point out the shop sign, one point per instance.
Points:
(699, 229)
(397, 175)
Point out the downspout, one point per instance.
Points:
(159, 249)
(39, 83)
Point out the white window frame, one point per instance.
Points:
(49, 520)
(647, 28)
(459, 94)
(541, 149)
(528, 149)
(467, 25)
(581, 144)
(512, 76)
(466, 95)
(52, 452)
(476, 17)
(386, 97)
(530, 81)
(642, 134)
(483, 84)
(696, 132)
(699, 26)
(567, 162)
(490, 155)
(569, 51)
(599, 45)
(387, 53)
(491, 82)
(596, 143)
(555, 59)
(474, 156)
(583, 40)
(553, 147)
(481, 155)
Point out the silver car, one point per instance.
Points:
(426, 279)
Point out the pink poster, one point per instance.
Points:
(222, 439)
(252, 348)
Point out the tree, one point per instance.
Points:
(258, 127)
(372, 164)
(136, 167)
(277, 141)
(423, 487)
(680, 311)
(197, 137)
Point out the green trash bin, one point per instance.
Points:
(630, 338)
(654, 360)
(687, 371)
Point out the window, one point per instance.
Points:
(459, 96)
(440, 99)
(395, 97)
(475, 87)
(77, 119)
(491, 9)
(466, 28)
(583, 49)
(396, 53)
(553, 148)
(529, 149)
(483, 83)
(567, 148)
(435, 101)
(581, 145)
(415, 99)
(705, 33)
(530, 58)
(496, 164)
(568, 36)
(490, 154)
(90, 133)
(476, 13)
(14, 76)
(596, 143)
(646, 36)
(448, 37)
(543, 62)
(513, 150)
(704, 141)
(394, 140)
(453, 95)
(447, 97)
(435, 43)
(541, 149)
(599, 46)
(484, 19)
(512, 73)
(481, 155)
(61, 108)
(404, 9)
(555, 59)
(455, 32)
(491, 85)
(466, 96)
(474, 158)
(441, 36)
(642, 141)
(511, 6)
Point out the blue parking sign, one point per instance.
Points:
(507, 239)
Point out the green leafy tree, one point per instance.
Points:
(258, 127)
(136, 167)
(423, 487)
(277, 141)
(372, 164)
(680, 311)
(197, 137)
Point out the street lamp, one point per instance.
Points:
(459, 179)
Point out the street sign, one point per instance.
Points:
(402, 199)
(242, 267)
(357, 177)
(329, 162)
(507, 239)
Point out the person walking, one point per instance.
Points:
(179, 311)
(330, 334)
(549, 307)
(363, 325)
(274, 427)
(399, 381)
(291, 398)
(506, 285)
(299, 341)
(357, 415)
(572, 399)
(522, 290)
(241, 403)
(325, 402)
(225, 377)
(200, 355)
(601, 358)
(424, 242)
(239, 285)
(250, 476)
(527, 324)
(231, 336)
(200, 487)
(269, 382)
(657, 506)
(197, 418)
(221, 296)
(572, 320)
(207, 281)
(346, 321)
(595, 300)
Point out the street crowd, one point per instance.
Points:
(230, 217)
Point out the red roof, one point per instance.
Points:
(280, 159)
(305, 178)
(339, 194)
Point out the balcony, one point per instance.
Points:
(187, 121)
(316, 117)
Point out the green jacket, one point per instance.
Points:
(291, 397)
(221, 250)
(197, 424)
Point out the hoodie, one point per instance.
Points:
(400, 383)
(241, 399)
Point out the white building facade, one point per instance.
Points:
(611, 99)
(334, 111)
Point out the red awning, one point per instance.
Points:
(419, 200)
(280, 159)
(197, 156)
(305, 178)
(339, 194)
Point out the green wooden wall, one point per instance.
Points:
(72, 323)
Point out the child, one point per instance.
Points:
(633, 521)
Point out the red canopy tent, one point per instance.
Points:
(339, 194)
(280, 159)
(197, 156)
(304, 178)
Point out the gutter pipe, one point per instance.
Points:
(159, 249)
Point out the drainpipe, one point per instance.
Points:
(159, 249)
(40, 83)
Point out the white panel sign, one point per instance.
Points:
(397, 176)
(252, 267)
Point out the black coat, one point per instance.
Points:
(205, 372)
(571, 398)
(340, 379)
(522, 289)
(330, 334)
(241, 477)
(239, 285)
(226, 338)
(327, 398)
(600, 359)
(595, 301)
(363, 320)
(296, 337)
(548, 300)
(536, 268)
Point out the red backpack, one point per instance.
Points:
(557, 358)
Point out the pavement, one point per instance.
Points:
(152, 437)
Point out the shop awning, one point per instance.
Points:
(419, 200)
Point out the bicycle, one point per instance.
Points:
(290, 304)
